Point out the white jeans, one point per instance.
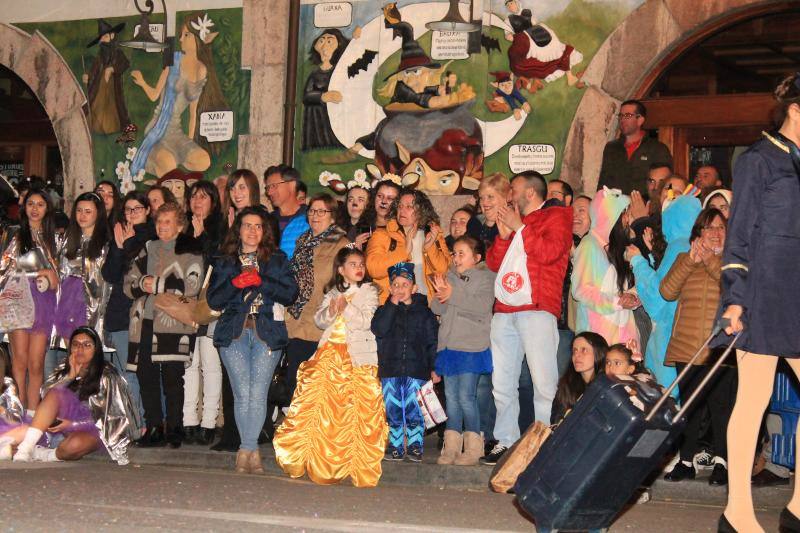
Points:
(205, 357)
(531, 334)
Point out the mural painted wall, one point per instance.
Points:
(379, 93)
(151, 121)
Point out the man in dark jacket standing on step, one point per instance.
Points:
(627, 160)
(527, 301)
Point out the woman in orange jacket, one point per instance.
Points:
(413, 234)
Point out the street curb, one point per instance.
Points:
(428, 473)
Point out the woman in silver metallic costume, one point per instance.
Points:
(84, 293)
(31, 250)
(86, 405)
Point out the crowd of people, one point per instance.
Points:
(325, 319)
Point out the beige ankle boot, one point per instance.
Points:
(256, 466)
(473, 449)
(243, 461)
(451, 449)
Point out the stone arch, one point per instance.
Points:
(628, 63)
(37, 62)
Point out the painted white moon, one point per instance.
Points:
(358, 114)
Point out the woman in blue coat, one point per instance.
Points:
(677, 220)
(250, 277)
(760, 294)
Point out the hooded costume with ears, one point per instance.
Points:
(594, 278)
(677, 221)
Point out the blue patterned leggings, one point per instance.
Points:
(403, 413)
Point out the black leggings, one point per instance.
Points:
(720, 395)
(297, 351)
(152, 377)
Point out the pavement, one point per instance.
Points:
(100, 496)
(428, 473)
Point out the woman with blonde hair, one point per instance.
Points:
(493, 192)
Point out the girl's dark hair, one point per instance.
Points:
(48, 226)
(89, 385)
(341, 44)
(705, 218)
(211, 191)
(100, 235)
(116, 213)
(252, 185)
(474, 244)
(233, 241)
(571, 386)
(618, 240)
(337, 280)
(166, 194)
(638, 366)
(137, 196)
(786, 93)
(426, 214)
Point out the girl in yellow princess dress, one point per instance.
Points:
(336, 424)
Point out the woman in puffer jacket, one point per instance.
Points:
(694, 283)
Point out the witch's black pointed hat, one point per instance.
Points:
(104, 28)
(412, 55)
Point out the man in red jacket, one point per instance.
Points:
(527, 327)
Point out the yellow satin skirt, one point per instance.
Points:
(336, 425)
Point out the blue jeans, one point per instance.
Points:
(564, 354)
(461, 393)
(120, 361)
(250, 364)
(52, 358)
(525, 334)
(486, 407)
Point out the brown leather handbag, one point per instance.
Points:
(178, 307)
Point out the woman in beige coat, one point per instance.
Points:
(694, 282)
(311, 263)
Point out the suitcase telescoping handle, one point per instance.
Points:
(719, 325)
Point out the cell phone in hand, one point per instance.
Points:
(363, 229)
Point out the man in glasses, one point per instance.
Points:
(281, 186)
(627, 160)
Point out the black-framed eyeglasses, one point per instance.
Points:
(629, 115)
(134, 210)
(314, 212)
(270, 186)
(76, 345)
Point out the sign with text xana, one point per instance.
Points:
(217, 125)
(388, 89)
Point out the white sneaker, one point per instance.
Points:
(24, 454)
(704, 460)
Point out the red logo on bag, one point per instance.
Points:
(512, 282)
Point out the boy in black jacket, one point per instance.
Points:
(406, 332)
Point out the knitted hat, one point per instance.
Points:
(405, 270)
(725, 193)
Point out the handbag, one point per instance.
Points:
(279, 387)
(518, 457)
(178, 307)
(432, 411)
(203, 315)
(513, 285)
(16, 304)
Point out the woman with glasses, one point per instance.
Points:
(313, 256)
(693, 282)
(86, 406)
(249, 278)
(130, 237)
(207, 227)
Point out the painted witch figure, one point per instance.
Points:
(191, 82)
(107, 110)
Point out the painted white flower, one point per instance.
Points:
(123, 167)
(394, 178)
(131, 153)
(127, 185)
(325, 178)
(202, 25)
(139, 175)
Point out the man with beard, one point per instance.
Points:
(107, 110)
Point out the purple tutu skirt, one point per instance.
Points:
(44, 307)
(71, 408)
(72, 311)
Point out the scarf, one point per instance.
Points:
(302, 266)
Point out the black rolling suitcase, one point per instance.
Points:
(617, 434)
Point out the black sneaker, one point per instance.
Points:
(495, 455)
(489, 446)
(719, 476)
(204, 436)
(414, 455)
(393, 455)
(765, 478)
(681, 472)
(190, 434)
